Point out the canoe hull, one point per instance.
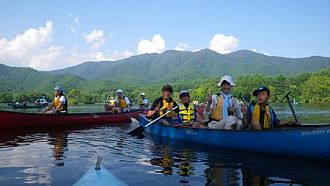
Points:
(99, 177)
(28, 120)
(307, 142)
(15, 106)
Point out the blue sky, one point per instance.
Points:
(54, 34)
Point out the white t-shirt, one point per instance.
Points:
(145, 101)
(62, 100)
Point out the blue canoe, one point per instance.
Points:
(305, 141)
(100, 176)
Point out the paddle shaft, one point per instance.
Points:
(106, 100)
(160, 117)
(292, 110)
(141, 128)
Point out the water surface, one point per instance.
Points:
(62, 156)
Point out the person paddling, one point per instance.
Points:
(163, 104)
(261, 115)
(122, 103)
(143, 102)
(59, 104)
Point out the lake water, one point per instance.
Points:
(61, 157)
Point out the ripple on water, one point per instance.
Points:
(60, 157)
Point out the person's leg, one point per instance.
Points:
(164, 122)
(230, 123)
(217, 124)
(53, 111)
(239, 124)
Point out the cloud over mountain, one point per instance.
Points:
(155, 45)
(223, 44)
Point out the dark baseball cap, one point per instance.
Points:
(167, 87)
(261, 89)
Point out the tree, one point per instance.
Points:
(316, 89)
(73, 96)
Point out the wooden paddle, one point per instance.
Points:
(106, 101)
(289, 101)
(141, 128)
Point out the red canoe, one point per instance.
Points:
(10, 119)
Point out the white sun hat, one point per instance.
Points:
(228, 79)
(119, 91)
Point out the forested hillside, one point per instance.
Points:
(305, 87)
(308, 78)
(176, 65)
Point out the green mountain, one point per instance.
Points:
(170, 66)
(173, 65)
(18, 79)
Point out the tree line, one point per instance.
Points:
(305, 88)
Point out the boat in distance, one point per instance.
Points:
(10, 120)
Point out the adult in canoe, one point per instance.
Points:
(225, 110)
(143, 102)
(162, 104)
(261, 115)
(59, 104)
(109, 104)
(122, 103)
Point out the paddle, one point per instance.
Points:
(243, 99)
(106, 101)
(140, 129)
(289, 101)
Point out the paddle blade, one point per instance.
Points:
(137, 131)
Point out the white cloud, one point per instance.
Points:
(26, 47)
(75, 23)
(223, 44)
(96, 38)
(261, 52)
(155, 45)
(33, 49)
(118, 55)
(48, 58)
(27, 42)
(96, 56)
(181, 46)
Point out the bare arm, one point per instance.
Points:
(152, 112)
(209, 102)
(50, 107)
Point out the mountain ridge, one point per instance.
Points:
(169, 66)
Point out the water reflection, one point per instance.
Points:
(222, 173)
(232, 167)
(60, 157)
(165, 161)
(185, 167)
(60, 143)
